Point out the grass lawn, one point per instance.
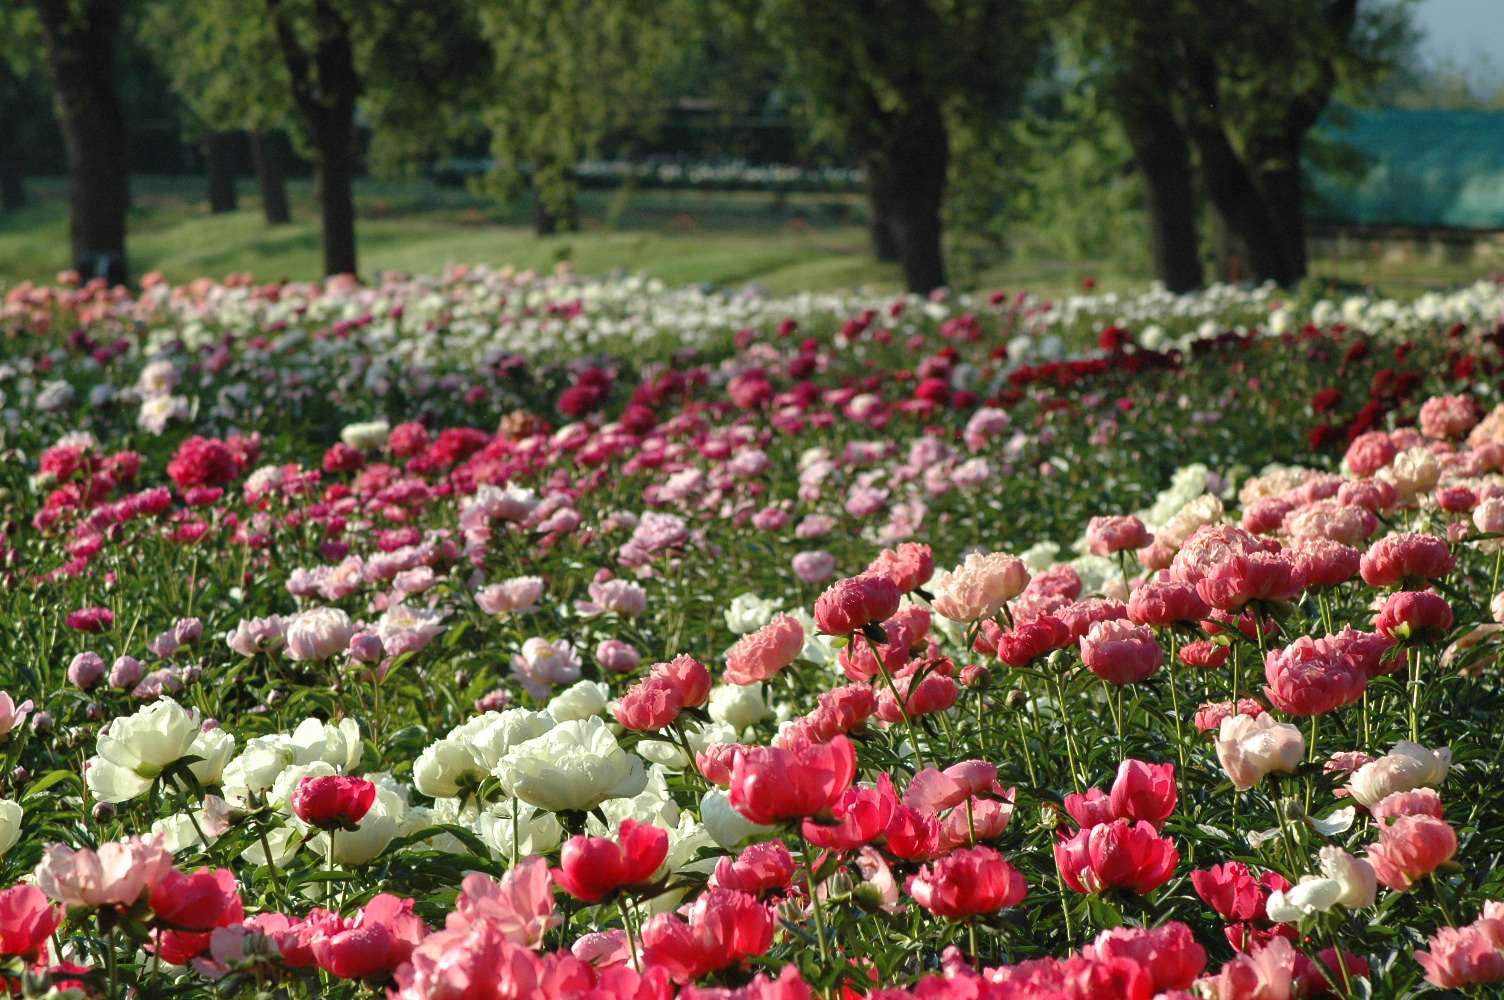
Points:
(788, 244)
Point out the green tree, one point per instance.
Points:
(81, 38)
(23, 99)
(889, 80)
(1323, 50)
(258, 63)
(1240, 85)
(230, 79)
(568, 74)
(1054, 183)
(1122, 47)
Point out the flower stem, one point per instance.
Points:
(903, 708)
(1115, 701)
(1412, 666)
(694, 764)
(1070, 737)
(1341, 962)
(1236, 670)
(1175, 702)
(516, 805)
(112, 968)
(1065, 907)
(814, 898)
(329, 889)
(625, 906)
(1023, 736)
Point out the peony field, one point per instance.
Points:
(492, 634)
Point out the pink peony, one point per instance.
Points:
(1108, 535)
(760, 655)
(1120, 652)
(1309, 677)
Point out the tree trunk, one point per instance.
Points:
(219, 161)
(268, 150)
(80, 39)
(880, 222)
(1229, 181)
(1284, 192)
(1231, 188)
(906, 169)
(1164, 160)
(336, 183)
(1279, 153)
(325, 86)
(12, 185)
(545, 223)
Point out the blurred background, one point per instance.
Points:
(885, 143)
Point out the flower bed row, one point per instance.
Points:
(855, 650)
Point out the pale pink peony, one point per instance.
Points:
(520, 905)
(1249, 747)
(515, 596)
(117, 874)
(979, 587)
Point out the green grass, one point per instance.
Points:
(802, 242)
(786, 244)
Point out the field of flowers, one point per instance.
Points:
(496, 635)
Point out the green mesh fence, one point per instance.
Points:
(1422, 168)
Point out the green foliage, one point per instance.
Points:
(24, 99)
(567, 73)
(224, 65)
(427, 69)
(419, 64)
(20, 43)
(1056, 183)
(1280, 52)
(859, 63)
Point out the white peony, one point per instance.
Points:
(700, 736)
(159, 411)
(1406, 767)
(11, 814)
(492, 735)
(447, 768)
(738, 705)
(157, 378)
(579, 701)
(133, 750)
(1312, 894)
(1355, 876)
(367, 436)
(334, 743)
(1250, 747)
(727, 827)
(576, 765)
(748, 613)
(255, 770)
(214, 748)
